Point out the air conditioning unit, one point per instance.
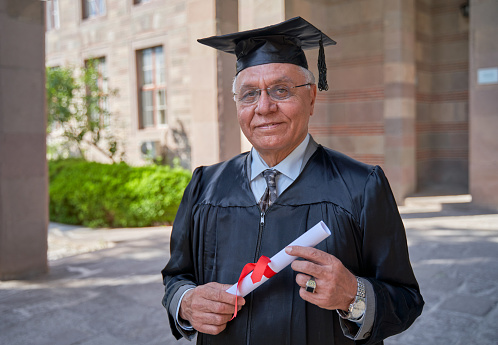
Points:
(150, 149)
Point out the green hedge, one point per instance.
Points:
(117, 195)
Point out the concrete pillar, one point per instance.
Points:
(23, 167)
(483, 112)
(399, 92)
(215, 132)
(228, 125)
(257, 14)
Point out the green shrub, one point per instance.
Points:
(117, 195)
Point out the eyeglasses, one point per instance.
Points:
(276, 93)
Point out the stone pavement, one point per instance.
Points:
(454, 252)
(104, 285)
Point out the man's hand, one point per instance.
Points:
(209, 307)
(335, 285)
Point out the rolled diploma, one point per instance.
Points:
(281, 260)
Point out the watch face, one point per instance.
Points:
(358, 309)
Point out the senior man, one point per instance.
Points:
(357, 286)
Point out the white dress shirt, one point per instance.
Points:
(289, 169)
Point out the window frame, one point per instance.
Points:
(100, 9)
(157, 87)
(52, 15)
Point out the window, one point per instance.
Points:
(93, 8)
(98, 93)
(136, 2)
(52, 14)
(151, 87)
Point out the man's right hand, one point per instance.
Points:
(209, 307)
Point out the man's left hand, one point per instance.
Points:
(335, 285)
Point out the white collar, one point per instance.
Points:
(290, 166)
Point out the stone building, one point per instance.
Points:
(412, 82)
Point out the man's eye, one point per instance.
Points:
(281, 91)
(248, 95)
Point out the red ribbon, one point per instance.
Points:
(258, 270)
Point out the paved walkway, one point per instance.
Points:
(104, 286)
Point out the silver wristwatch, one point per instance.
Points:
(356, 309)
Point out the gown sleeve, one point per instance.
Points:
(180, 269)
(386, 263)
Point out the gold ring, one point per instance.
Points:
(311, 285)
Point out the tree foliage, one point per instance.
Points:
(77, 110)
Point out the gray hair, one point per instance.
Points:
(307, 74)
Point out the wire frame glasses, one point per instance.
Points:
(276, 92)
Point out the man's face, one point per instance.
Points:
(275, 128)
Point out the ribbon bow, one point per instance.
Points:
(258, 269)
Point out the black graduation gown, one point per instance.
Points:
(218, 229)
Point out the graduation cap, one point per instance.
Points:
(279, 43)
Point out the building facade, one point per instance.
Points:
(399, 80)
(142, 51)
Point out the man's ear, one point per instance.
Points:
(313, 92)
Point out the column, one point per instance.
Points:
(23, 167)
(483, 112)
(399, 93)
(215, 133)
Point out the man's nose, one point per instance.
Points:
(265, 104)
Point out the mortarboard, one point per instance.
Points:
(279, 43)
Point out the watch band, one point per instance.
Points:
(358, 303)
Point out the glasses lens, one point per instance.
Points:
(279, 92)
(250, 96)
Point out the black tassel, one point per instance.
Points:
(322, 69)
